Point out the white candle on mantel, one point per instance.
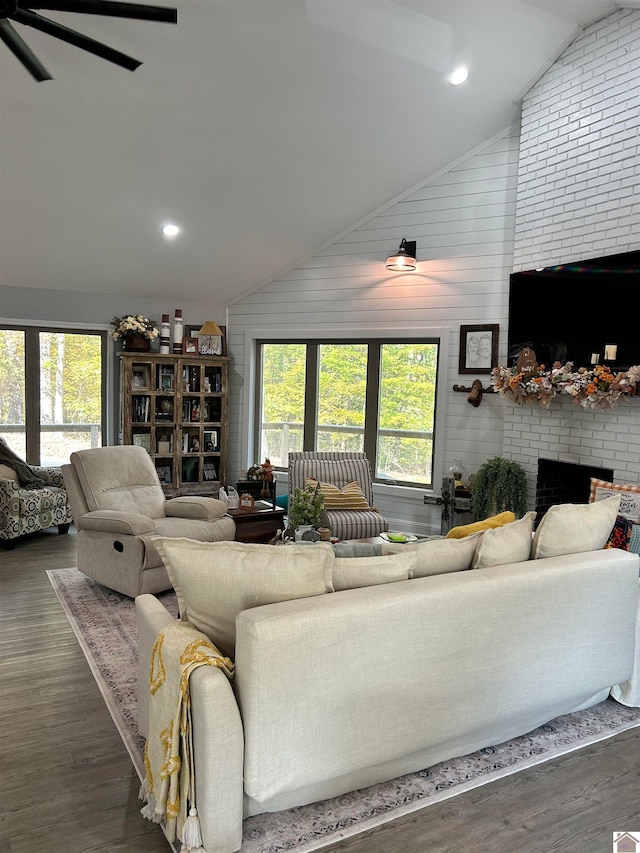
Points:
(610, 352)
(595, 357)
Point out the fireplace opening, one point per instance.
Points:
(565, 483)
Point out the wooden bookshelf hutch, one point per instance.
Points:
(176, 407)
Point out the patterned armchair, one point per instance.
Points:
(25, 511)
(338, 469)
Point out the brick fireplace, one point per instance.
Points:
(600, 440)
(564, 482)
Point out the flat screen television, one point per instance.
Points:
(572, 311)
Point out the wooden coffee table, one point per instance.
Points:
(259, 524)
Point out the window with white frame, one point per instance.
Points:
(376, 396)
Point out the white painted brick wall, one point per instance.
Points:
(580, 150)
(578, 181)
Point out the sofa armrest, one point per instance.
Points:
(50, 476)
(114, 521)
(628, 692)
(9, 505)
(196, 507)
(218, 746)
(218, 736)
(151, 618)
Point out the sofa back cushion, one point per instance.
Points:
(214, 581)
(353, 572)
(508, 544)
(440, 555)
(572, 528)
(121, 477)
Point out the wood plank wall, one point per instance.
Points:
(463, 221)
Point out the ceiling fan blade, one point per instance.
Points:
(52, 28)
(23, 52)
(106, 7)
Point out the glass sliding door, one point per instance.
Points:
(52, 392)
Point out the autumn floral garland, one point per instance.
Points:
(595, 388)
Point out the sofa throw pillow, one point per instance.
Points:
(510, 543)
(620, 536)
(338, 472)
(350, 496)
(352, 572)
(214, 581)
(439, 556)
(463, 530)
(572, 528)
(629, 496)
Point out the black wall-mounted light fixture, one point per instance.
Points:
(405, 258)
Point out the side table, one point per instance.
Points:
(259, 524)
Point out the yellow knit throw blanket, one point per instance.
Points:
(169, 784)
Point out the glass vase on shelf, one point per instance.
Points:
(457, 472)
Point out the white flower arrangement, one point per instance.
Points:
(134, 324)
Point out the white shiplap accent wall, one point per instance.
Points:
(463, 221)
(579, 176)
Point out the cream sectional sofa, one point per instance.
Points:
(336, 691)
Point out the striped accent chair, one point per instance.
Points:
(339, 469)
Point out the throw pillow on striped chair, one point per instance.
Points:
(350, 496)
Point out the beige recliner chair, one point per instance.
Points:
(119, 509)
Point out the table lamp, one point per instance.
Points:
(210, 336)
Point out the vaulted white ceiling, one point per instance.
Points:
(264, 128)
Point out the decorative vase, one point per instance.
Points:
(457, 470)
(134, 342)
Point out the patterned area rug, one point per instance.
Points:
(104, 623)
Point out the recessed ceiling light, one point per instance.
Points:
(459, 75)
(170, 230)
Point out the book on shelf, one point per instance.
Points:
(140, 412)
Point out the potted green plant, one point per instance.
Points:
(305, 509)
(498, 486)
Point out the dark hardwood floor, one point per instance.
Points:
(67, 784)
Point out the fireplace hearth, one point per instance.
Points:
(564, 483)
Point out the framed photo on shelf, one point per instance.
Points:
(164, 474)
(210, 440)
(478, 348)
(190, 345)
(142, 439)
(141, 377)
(209, 344)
